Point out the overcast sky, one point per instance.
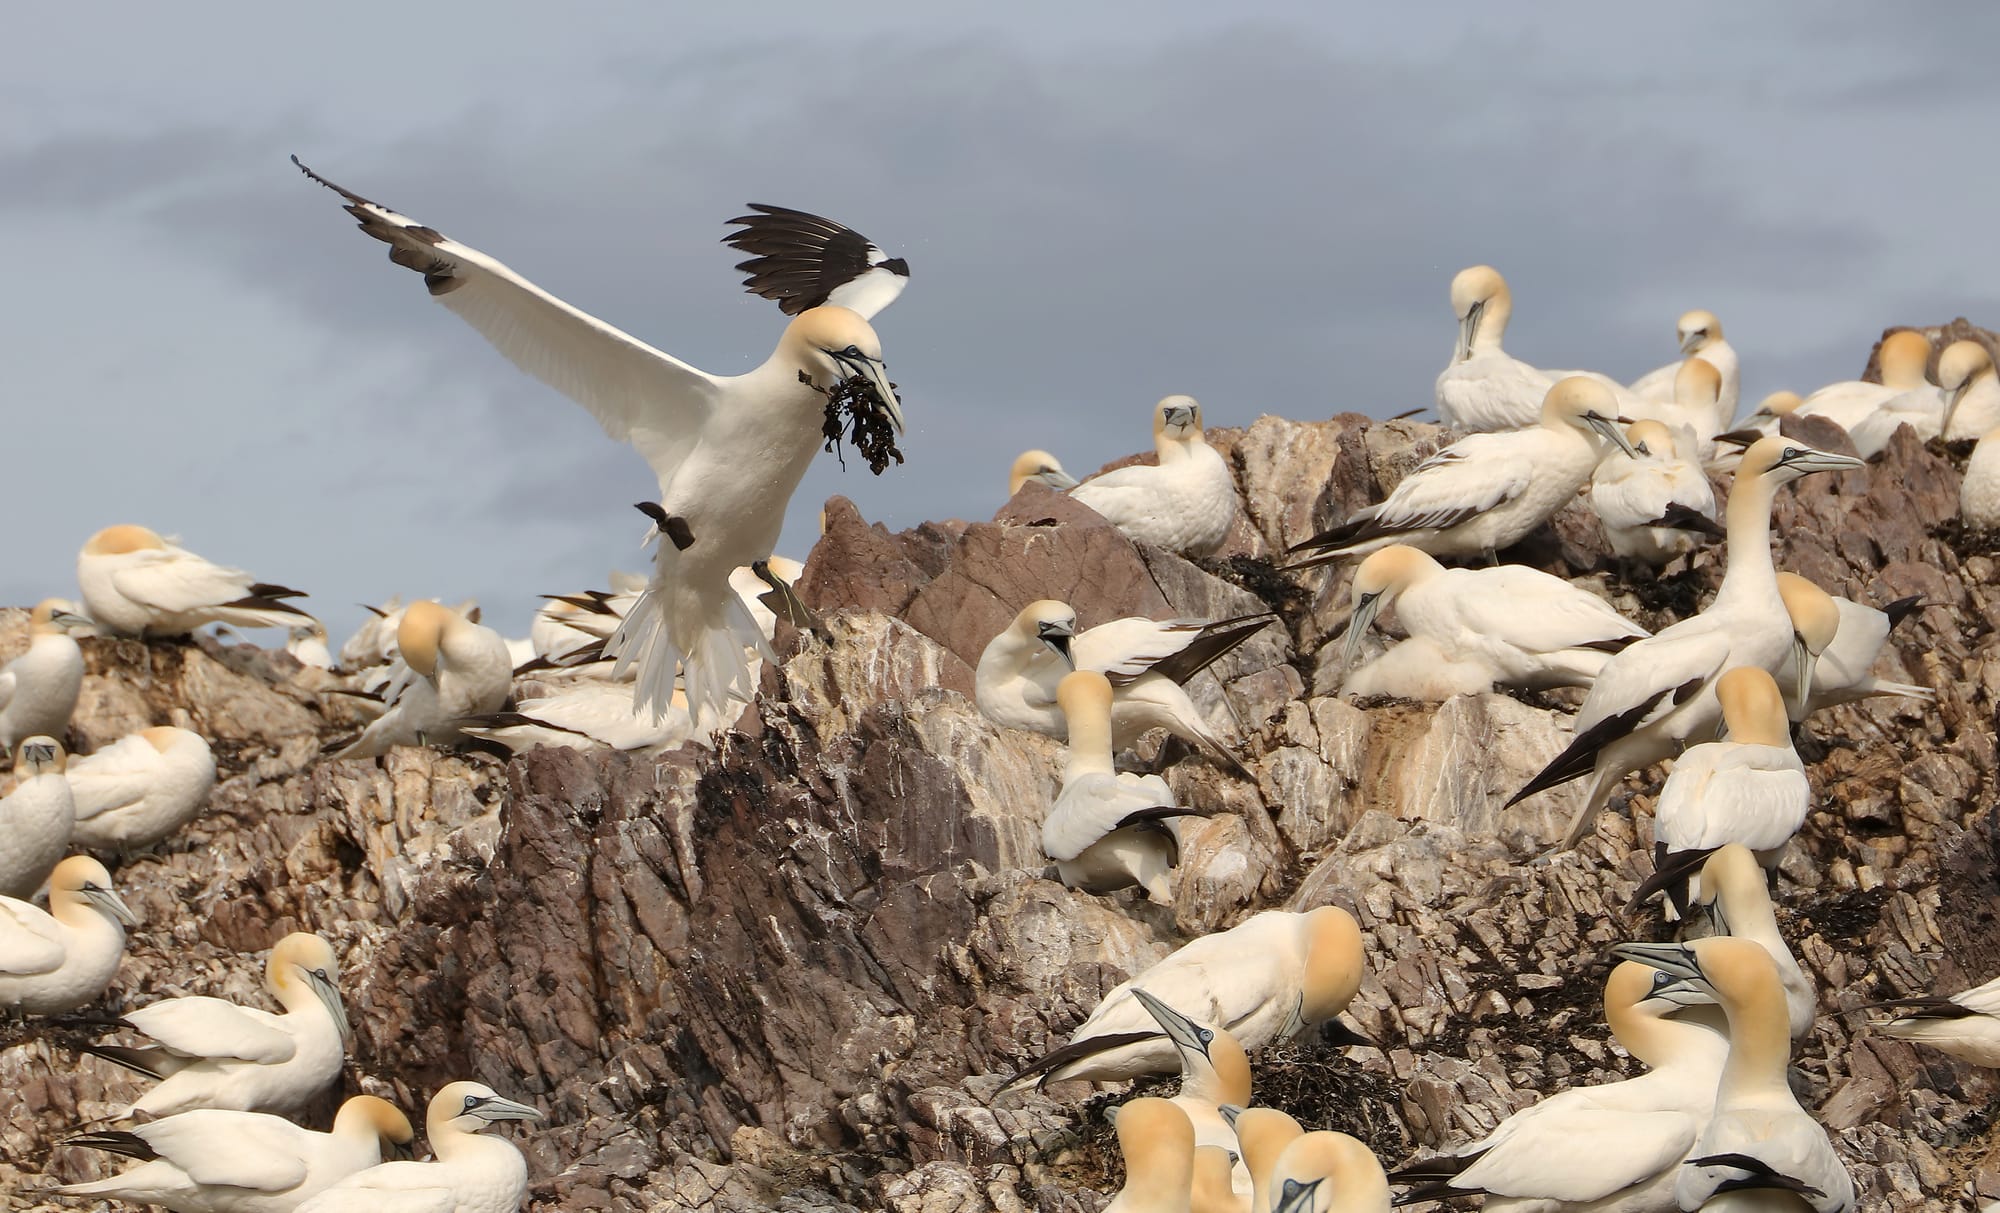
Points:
(1100, 204)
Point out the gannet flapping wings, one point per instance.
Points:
(1979, 492)
(1156, 1141)
(61, 959)
(1040, 467)
(1486, 492)
(38, 689)
(138, 584)
(211, 1053)
(1728, 885)
(1837, 641)
(1904, 356)
(449, 668)
(729, 451)
(1965, 1025)
(591, 715)
(1215, 1073)
(1971, 391)
(1657, 505)
(36, 818)
(243, 1162)
(1328, 1172)
(1700, 336)
(1749, 787)
(470, 1173)
(139, 790)
(1186, 503)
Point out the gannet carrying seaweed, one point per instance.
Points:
(1186, 503)
(61, 959)
(138, 584)
(38, 689)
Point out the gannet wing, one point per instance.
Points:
(1541, 613)
(1468, 478)
(1748, 797)
(388, 1188)
(1983, 999)
(114, 777)
(176, 580)
(1091, 807)
(638, 394)
(1682, 665)
(230, 1149)
(1638, 498)
(212, 1027)
(802, 261)
(7, 681)
(30, 940)
(1126, 648)
(1580, 1154)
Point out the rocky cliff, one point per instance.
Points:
(790, 973)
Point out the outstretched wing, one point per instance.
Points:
(801, 261)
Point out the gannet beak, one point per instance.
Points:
(1951, 405)
(1179, 418)
(1689, 342)
(110, 900)
(1056, 479)
(35, 757)
(1057, 636)
(1184, 1032)
(497, 1108)
(68, 619)
(1608, 427)
(1806, 660)
(1357, 628)
(1229, 1112)
(1806, 460)
(401, 1151)
(1297, 1197)
(1468, 328)
(877, 375)
(329, 997)
(1672, 958)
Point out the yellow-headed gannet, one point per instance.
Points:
(1147, 661)
(1215, 1073)
(1728, 885)
(1904, 356)
(450, 668)
(1040, 467)
(1965, 1025)
(38, 689)
(1108, 830)
(1761, 423)
(61, 959)
(141, 789)
(1660, 692)
(1701, 338)
(1749, 787)
(1157, 1143)
(1523, 627)
(1656, 506)
(212, 1053)
(1971, 392)
(306, 643)
(729, 450)
(1979, 492)
(36, 818)
(1270, 977)
(469, 1173)
(138, 584)
(215, 1161)
(1484, 388)
(1691, 412)
(588, 716)
(1486, 492)
(1758, 1137)
(1184, 504)
(1213, 1189)
(1328, 1172)
(1836, 641)
(1261, 1136)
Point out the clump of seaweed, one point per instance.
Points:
(856, 412)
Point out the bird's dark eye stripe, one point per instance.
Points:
(471, 1102)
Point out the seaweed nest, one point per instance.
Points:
(856, 412)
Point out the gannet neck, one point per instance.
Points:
(1334, 962)
(1085, 699)
(1747, 571)
(1753, 708)
(1635, 1027)
(367, 1118)
(1156, 1139)
(1745, 978)
(1733, 878)
(1262, 1135)
(1225, 1079)
(1905, 354)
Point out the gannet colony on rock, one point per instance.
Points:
(1066, 861)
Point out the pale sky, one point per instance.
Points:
(1260, 205)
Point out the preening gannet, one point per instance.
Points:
(1184, 504)
(215, 1161)
(1108, 830)
(450, 668)
(306, 642)
(469, 1173)
(138, 584)
(1749, 787)
(1837, 641)
(211, 1053)
(61, 959)
(1042, 468)
(1971, 392)
(1487, 491)
(1524, 627)
(1328, 1172)
(1484, 388)
(1979, 492)
(588, 716)
(1213, 1189)
(1261, 1136)
(1728, 885)
(1658, 504)
(1701, 338)
(1270, 977)
(729, 450)
(36, 818)
(1157, 1142)
(38, 689)
(1758, 1135)
(1620, 1143)
(1904, 356)
(136, 792)
(1660, 692)
(1965, 1025)
(1215, 1073)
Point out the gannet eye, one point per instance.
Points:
(322, 975)
(471, 1102)
(852, 351)
(1660, 979)
(1791, 453)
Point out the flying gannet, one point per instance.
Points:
(1965, 1025)
(38, 689)
(1486, 492)
(1042, 468)
(450, 668)
(1657, 505)
(36, 818)
(1215, 1073)
(1484, 388)
(1979, 492)
(1836, 641)
(1971, 392)
(61, 959)
(1186, 503)
(1728, 886)
(1903, 358)
(213, 1161)
(138, 584)
(138, 791)
(729, 451)
(470, 1173)
(1701, 339)
(1328, 1172)
(1156, 1141)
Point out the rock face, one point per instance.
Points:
(790, 973)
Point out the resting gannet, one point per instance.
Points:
(141, 789)
(1215, 1073)
(1042, 468)
(1921, 408)
(1836, 643)
(1728, 885)
(588, 716)
(729, 450)
(1261, 1136)
(1749, 787)
(1904, 356)
(1328, 1172)
(1692, 410)
(1965, 1025)
(1157, 1142)
(1184, 504)
(470, 1173)
(36, 818)
(306, 643)
(38, 689)
(1979, 492)
(1971, 392)
(1484, 388)
(61, 959)
(138, 584)
(1701, 339)
(450, 668)
(1488, 491)
(1658, 505)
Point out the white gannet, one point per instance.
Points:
(1904, 356)
(136, 792)
(1965, 1025)
(450, 668)
(1156, 1141)
(1921, 408)
(61, 959)
(1749, 787)
(38, 689)
(1040, 467)
(1261, 1136)
(1728, 885)
(1213, 1189)
(1657, 505)
(1619, 1143)
(469, 1173)
(1270, 977)
(1979, 492)
(36, 818)
(1701, 338)
(1108, 830)
(1486, 492)
(1758, 1136)
(1328, 1172)
(1484, 388)
(729, 450)
(212, 1053)
(306, 643)
(215, 1161)
(1837, 641)
(588, 716)
(1761, 423)
(1971, 392)
(1524, 627)
(138, 584)
(1186, 503)
(1215, 1073)
(1692, 411)
(375, 640)
(1660, 692)
(1147, 661)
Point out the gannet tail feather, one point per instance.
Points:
(1217, 641)
(115, 1141)
(668, 631)
(1036, 1073)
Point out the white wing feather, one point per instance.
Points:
(30, 940)
(212, 1027)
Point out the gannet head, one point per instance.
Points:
(1474, 292)
(1649, 437)
(1781, 460)
(366, 1116)
(1041, 467)
(305, 961)
(1214, 1173)
(468, 1107)
(1697, 383)
(1176, 419)
(1733, 969)
(40, 756)
(1730, 875)
(1335, 962)
(421, 632)
(1386, 573)
(1752, 707)
(1641, 989)
(1781, 403)
(1084, 694)
(1157, 1140)
(1696, 329)
(122, 540)
(1262, 1135)
(1959, 367)
(1585, 404)
(1815, 621)
(1324, 1166)
(1048, 622)
(1905, 355)
(81, 880)
(846, 345)
(1208, 1055)
(52, 617)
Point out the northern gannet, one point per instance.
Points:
(469, 1173)
(212, 1053)
(1261, 1136)
(1904, 356)
(729, 450)
(1156, 1141)
(1147, 661)
(1979, 492)
(1486, 492)
(1328, 1172)
(1657, 505)
(1921, 408)
(36, 818)
(1215, 1073)
(1965, 1025)
(1270, 977)
(136, 792)
(1758, 1136)
(1701, 338)
(1660, 692)
(1762, 423)
(213, 1161)
(1728, 885)
(1040, 467)
(1971, 392)
(38, 689)
(375, 640)
(1484, 388)
(1523, 627)
(138, 584)
(1836, 643)
(1212, 1189)
(1108, 830)
(306, 643)
(450, 668)
(61, 959)
(1186, 503)
(588, 716)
